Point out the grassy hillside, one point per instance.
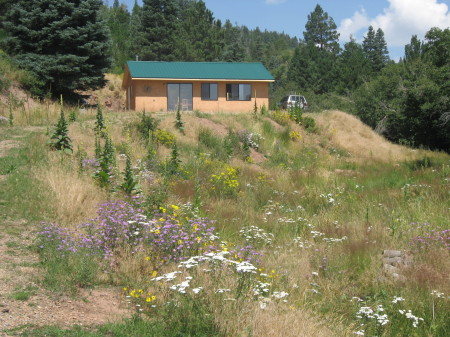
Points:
(254, 225)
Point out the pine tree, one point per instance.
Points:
(63, 43)
(118, 19)
(195, 37)
(353, 67)
(375, 49)
(159, 27)
(321, 31)
(233, 50)
(414, 49)
(382, 57)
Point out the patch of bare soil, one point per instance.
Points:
(19, 272)
(17, 97)
(111, 95)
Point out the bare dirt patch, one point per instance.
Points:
(19, 270)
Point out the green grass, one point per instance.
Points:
(24, 294)
(300, 188)
(132, 327)
(21, 195)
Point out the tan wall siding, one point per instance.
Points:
(152, 95)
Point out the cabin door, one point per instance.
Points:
(179, 93)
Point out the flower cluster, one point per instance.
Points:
(434, 238)
(377, 314)
(90, 164)
(225, 183)
(256, 236)
(408, 314)
(122, 226)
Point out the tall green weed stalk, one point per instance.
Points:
(60, 139)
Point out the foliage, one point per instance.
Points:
(130, 184)
(178, 122)
(375, 49)
(65, 49)
(157, 30)
(408, 101)
(173, 165)
(100, 125)
(164, 137)
(60, 139)
(321, 31)
(146, 126)
(107, 162)
(225, 184)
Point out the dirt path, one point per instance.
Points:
(23, 301)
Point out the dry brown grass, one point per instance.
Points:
(74, 197)
(282, 322)
(349, 133)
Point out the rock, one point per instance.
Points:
(5, 310)
(392, 253)
(395, 261)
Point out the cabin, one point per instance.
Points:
(203, 86)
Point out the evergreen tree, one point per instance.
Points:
(118, 19)
(414, 49)
(313, 69)
(375, 49)
(136, 37)
(381, 48)
(196, 40)
(321, 31)
(353, 67)
(233, 44)
(159, 27)
(63, 43)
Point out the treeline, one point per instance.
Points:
(69, 45)
(186, 30)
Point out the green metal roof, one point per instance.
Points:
(199, 70)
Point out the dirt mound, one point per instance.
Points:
(111, 95)
(349, 133)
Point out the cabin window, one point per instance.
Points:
(209, 92)
(239, 92)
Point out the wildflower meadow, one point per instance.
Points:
(241, 225)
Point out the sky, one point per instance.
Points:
(399, 19)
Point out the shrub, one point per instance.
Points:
(309, 124)
(281, 117)
(225, 183)
(164, 138)
(146, 125)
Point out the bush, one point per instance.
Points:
(163, 137)
(146, 125)
(309, 124)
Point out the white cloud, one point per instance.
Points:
(351, 26)
(274, 2)
(400, 21)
